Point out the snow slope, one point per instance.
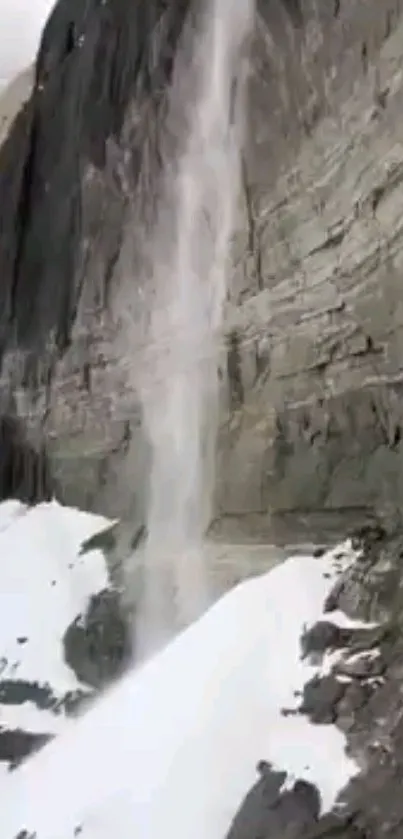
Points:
(172, 749)
(44, 585)
(21, 23)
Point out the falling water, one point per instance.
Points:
(190, 262)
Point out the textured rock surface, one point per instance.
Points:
(311, 366)
(318, 324)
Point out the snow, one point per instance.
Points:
(172, 749)
(21, 23)
(44, 585)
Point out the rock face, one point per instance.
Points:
(316, 422)
(312, 391)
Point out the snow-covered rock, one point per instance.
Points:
(48, 587)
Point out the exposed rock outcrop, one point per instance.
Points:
(362, 695)
(312, 391)
(97, 645)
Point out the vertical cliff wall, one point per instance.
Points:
(311, 357)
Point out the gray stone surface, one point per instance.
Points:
(312, 377)
(319, 304)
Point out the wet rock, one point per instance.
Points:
(72, 181)
(98, 645)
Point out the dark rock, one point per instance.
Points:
(69, 169)
(104, 540)
(16, 745)
(320, 699)
(93, 61)
(368, 534)
(71, 176)
(98, 645)
(24, 471)
(269, 812)
(333, 599)
(362, 695)
(19, 691)
(323, 636)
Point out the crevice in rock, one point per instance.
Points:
(25, 472)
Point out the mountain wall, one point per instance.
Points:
(312, 378)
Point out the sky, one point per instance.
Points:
(21, 23)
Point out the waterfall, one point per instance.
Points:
(190, 260)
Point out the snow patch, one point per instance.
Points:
(44, 584)
(172, 749)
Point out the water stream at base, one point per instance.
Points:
(189, 254)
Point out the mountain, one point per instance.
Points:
(279, 713)
(311, 361)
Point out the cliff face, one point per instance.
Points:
(313, 375)
(319, 282)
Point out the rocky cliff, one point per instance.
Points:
(311, 366)
(361, 694)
